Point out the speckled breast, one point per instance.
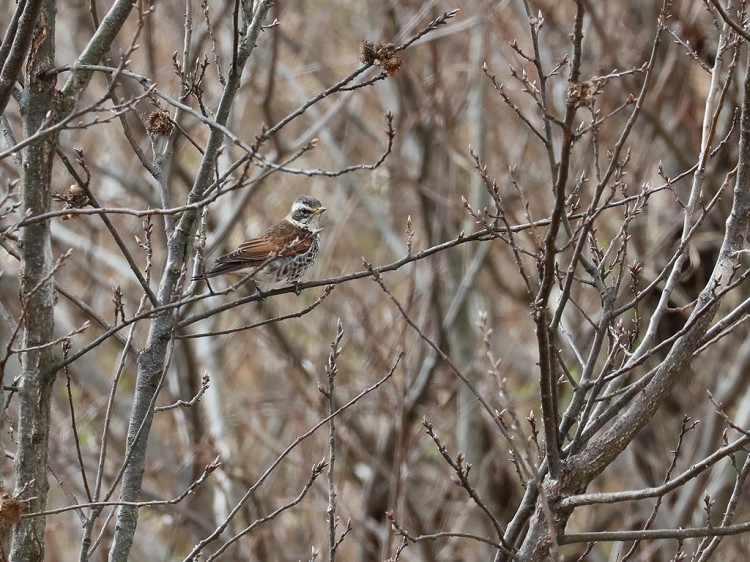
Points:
(291, 269)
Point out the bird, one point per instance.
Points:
(282, 254)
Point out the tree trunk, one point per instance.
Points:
(37, 295)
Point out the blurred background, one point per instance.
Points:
(469, 300)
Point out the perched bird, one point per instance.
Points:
(283, 253)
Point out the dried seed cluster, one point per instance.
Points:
(382, 55)
(159, 123)
(74, 198)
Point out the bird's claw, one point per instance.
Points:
(297, 288)
(260, 295)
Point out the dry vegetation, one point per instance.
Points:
(529, 262)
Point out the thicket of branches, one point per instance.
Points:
(524, 337)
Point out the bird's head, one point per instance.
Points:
(306, 212)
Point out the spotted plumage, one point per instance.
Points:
(283, 253)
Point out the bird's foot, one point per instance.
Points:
(260, 295)
(297, 288)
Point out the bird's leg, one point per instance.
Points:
(258, 293)
(297, 288)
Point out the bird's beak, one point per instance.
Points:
(319, 211)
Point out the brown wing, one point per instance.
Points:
(283, 239)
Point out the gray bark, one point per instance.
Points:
(15, 46)
(37, 296)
